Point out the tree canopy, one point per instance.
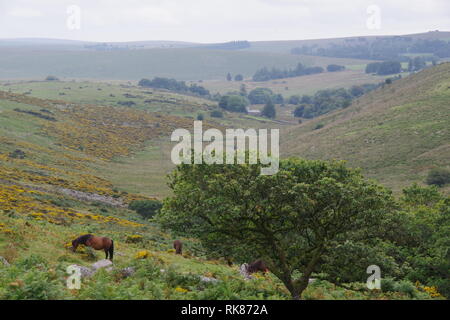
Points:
(290, 219)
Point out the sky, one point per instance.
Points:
(218, 20)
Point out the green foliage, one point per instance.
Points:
(319, 126)
(382, 48)
(348, 261)
(384, 68)
(422, 237)
(335, 68)
(265, 74)
(325, 101)
(298, 111)
(357, 91)
(234, 103)
(216, 114)
(174, 85)
(269, 110)
(403, 286)
(293, 209)
(31, 279)
(416, 195)
(146, 208)
(438, 177)
(260, 95)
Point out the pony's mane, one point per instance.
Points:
(83, 238)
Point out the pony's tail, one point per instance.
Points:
(111, 250)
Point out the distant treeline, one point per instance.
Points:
(265, 74)
(238, 101)
(384, 68)
(325, 101)
(382, 48)
(393, 67)
(174, 85)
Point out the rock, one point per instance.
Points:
(311, 280)
(127, 272)
(243, 270)
(85, 271)
(208, 280)
(4, 261)
(102, 264)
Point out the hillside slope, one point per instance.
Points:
(396, 134)
(53, 188)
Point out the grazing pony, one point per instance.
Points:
(178, 246)
(97, 243)
(257, 266)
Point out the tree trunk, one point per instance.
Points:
(301, 284)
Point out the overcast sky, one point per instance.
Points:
(218, 20)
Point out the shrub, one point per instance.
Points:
(135, 238)
(334, 68)
(144, 254)
(216, 114)
(438, 177)
(388, 285)
(200, 117)
(35, 285)
(319, 126)
(146, 208)
(32, 261)
(234, 103)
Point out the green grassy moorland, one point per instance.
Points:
(76, 174)
(396, 134)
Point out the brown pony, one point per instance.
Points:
(257, 266)
(178, 246)
(97, 243)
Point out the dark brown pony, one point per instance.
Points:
(178, 246)
(97, 243)
(257, 266)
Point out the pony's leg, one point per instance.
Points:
(106, 252)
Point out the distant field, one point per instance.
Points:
(299, 85)
(179, 63)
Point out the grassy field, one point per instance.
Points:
(113, 93)
(396, 134)
(299, 85)
(179, 63)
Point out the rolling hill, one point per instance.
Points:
(286, 45)
(60, 167)
(179, 63)
(396, 133)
